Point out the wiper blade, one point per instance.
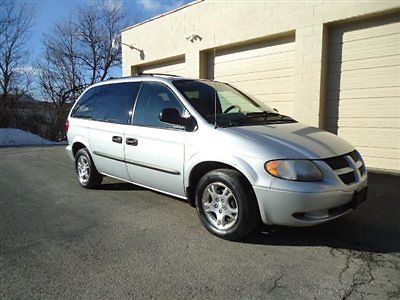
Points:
(260, 114)
(255, 117)
(266, 115)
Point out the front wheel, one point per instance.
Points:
(88, 176)
(226, 204)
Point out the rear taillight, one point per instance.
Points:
(66, 126)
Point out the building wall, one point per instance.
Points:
(224, 25)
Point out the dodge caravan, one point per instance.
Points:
(232, 157)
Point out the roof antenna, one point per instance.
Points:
(215, 91)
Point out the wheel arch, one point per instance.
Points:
(76, 147)
(78, 143)
(199, 169)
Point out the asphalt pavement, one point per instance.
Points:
(60, 241)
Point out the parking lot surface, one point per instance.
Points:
(60, 241)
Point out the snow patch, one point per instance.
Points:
(18, 137)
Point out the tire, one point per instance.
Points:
(88, 176)
(226, 204)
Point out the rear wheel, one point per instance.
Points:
(88, 176)
(226, 204)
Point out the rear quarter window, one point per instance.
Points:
(111, 103)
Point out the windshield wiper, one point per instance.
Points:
(265, 116)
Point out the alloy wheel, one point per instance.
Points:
(220, 206)
(83, 169)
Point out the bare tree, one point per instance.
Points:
(15, 22)
(95, 29)
(77, 53)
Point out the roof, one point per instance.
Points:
(163, 15)
(148, 77)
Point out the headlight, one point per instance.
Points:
(299, 170)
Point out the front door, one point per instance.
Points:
(154, 151)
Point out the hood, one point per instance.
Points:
(295, 140)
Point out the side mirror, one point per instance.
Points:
(276, 110)
(172, 116)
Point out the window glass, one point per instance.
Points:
(153, 98)
(84, 108)
(218, 102)
(201, 96)
(108, 103)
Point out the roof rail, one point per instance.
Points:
(156, 74)
(142, 74)
(121, 77)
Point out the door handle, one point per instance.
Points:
(117, 139)
(131, 141)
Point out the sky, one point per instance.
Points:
(48, 12)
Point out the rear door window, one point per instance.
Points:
(111, 103)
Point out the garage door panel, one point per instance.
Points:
(282, 97)
(387, 153)
(263, 69)
(366, 122)
(373, 137)
(361, 74)
(364, 78)
(258, 75)
(349, 33)
(279, 93)
(173, 67)
(369, 63)
(363, 92)
(368, 28)
(175, 70)
(239, 68)
(365, 108)
(244, 56)
(378, 92)
(255, 50)
(379, 163)
(270, 85)
(277, 58)
(370, 48)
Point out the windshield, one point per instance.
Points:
(223, 105)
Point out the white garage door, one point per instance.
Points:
(264, 70)
(363, 95)
(173, 67)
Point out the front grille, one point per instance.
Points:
(348, 178)
(341, 162)
(355, 156)
(337, 163)
(362, 170)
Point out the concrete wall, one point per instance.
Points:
(223, 24)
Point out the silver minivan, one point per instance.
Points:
(236, 160)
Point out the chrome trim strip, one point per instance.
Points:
(139, 164)
(153, 167)
(109, 156)
(344, 171)
(359, 164)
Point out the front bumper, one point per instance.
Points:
(293, 208)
